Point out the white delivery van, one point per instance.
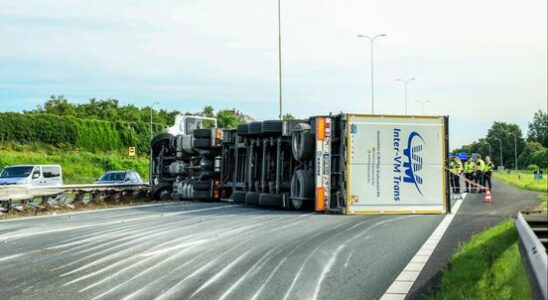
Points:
(32, 175)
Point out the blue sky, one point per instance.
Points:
(476, 61)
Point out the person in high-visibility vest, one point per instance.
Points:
(456, 170)
(488, 171)
(469, 166)
(480, 165)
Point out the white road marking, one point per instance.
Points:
(6, 258)
(348, 258)
(326, 270)
(405, 280)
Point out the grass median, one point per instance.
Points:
(487, 267)
(523, 180)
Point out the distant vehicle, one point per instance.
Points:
(120, 177)
(32, 175)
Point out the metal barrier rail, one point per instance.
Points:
(53, 196)
(533, 255)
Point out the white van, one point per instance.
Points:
(32, 175)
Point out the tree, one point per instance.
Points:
(538, 129)
(533, 154)
(288, 117)
(503, 131)
(228, 119)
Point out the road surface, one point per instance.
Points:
(215, 251)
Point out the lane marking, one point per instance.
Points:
(405, 280)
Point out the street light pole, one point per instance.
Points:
(501, 162)
(372, 39)
(422, 103)
(515, 149)
(405, 82)
(280, 56)
(151, 106)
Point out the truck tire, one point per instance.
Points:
(201, 185)
(272, 127)
(302, 188)
(162, 192)
(242, 129)
(201, 195)
(270, 200)
(202, 133)
(251, 198)
(201, 143)
(159, 140)
(255, 128)
(302, 142)
(238, 197)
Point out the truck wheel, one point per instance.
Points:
(201, 185)
(272, 127)
(255, 128)
(162, 192)
(302, 188)
(270, 200)
(242, 129)
(202, 133)
(201, 195)
(302, 142)
(251, 198)
(201, 143)
(238, 197)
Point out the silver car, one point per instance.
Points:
(120, 177)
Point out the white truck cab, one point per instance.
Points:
(32, 175)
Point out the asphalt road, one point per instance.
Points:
(206, 251)
(224, 251)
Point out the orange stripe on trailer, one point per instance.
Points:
(320, 199)
(320, 129)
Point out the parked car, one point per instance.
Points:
(120, 177)
(32, 175)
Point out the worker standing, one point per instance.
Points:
(480, 166)
(488, 171)
(456, 170)
(469, 166)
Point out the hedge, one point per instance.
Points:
(85, 134)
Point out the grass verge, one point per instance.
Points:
(78, 167)
(487, 267)
(524, 180)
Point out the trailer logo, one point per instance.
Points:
(413, 165)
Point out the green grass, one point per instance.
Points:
(487, 267)
(78, 167)
(524, 180)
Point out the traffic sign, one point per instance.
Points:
(131, 151)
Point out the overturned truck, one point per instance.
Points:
(344, 163)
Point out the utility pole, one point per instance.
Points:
(372, 39)
(280, 55)
(151, 106)
(405, 82)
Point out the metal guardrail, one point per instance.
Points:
(534, 256)
(14, 193)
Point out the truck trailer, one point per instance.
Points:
(343, 163)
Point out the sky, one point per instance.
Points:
(476, 61)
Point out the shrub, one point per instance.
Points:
(532, 167)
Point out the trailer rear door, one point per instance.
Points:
(396, 164)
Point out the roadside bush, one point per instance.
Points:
(70, 132)
(532, 167)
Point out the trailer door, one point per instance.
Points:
(396, 164)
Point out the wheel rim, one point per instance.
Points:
(297, 203)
